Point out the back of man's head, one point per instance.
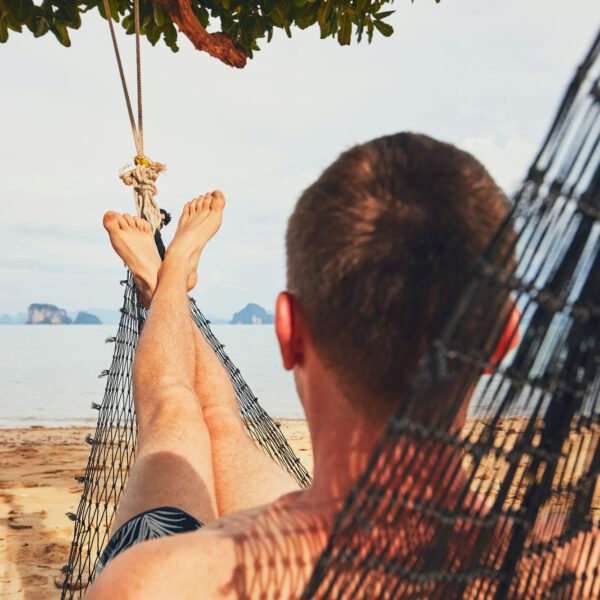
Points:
(379, 249)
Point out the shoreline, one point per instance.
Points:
(92, 425)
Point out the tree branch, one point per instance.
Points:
(216, 44)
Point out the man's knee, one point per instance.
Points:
(224, 421)
(167, 407)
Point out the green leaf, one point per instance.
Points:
(360, 27)
(3, 33)
(153, 33)
(23, 10)
(201, 14)
(13, 24)
(69, 13)
(383, 15)
(114, 10)
(383, 28)
(306, 16)
(40, 27)
(323, 13)
(60, 31)
(345, 31)
(278, 17)
(159, 15)
(170, 35)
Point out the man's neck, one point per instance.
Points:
(343, 443)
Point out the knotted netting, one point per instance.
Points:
(114, 442)
(502, 501)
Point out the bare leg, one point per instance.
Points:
(244, 475)
(173, 465)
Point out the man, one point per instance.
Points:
(378, 251)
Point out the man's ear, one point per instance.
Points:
(509, 339)
(288, 329)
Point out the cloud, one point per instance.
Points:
(507, 160)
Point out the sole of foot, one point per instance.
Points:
(200, 220)
(132, 239)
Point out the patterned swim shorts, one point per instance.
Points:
(149, 525)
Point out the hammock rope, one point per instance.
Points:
(143, 175)
(136, 128)
(142, 178)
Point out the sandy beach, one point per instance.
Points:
(37, 488)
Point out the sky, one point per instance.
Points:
(487, 76)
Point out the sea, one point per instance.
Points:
(49, 373)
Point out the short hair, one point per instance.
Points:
(379, 249)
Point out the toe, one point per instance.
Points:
(199, 202)
(207, 201)
(218, 200)
(129, 220)
(111, 221)
(141, 224)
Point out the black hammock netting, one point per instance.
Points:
(510, 507)
(114, 442)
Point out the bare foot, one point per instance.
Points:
(199, 221)
(132, 239)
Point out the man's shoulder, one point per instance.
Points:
(230, 557)
(190, 565)
(203, 563)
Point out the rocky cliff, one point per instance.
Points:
(252, 314)
(47, 314)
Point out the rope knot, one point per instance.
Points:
(142, 178)
(140, 159)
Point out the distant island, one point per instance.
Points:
(252, 314)
(49, 314)
(86, 318)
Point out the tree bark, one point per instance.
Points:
(216, 44)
